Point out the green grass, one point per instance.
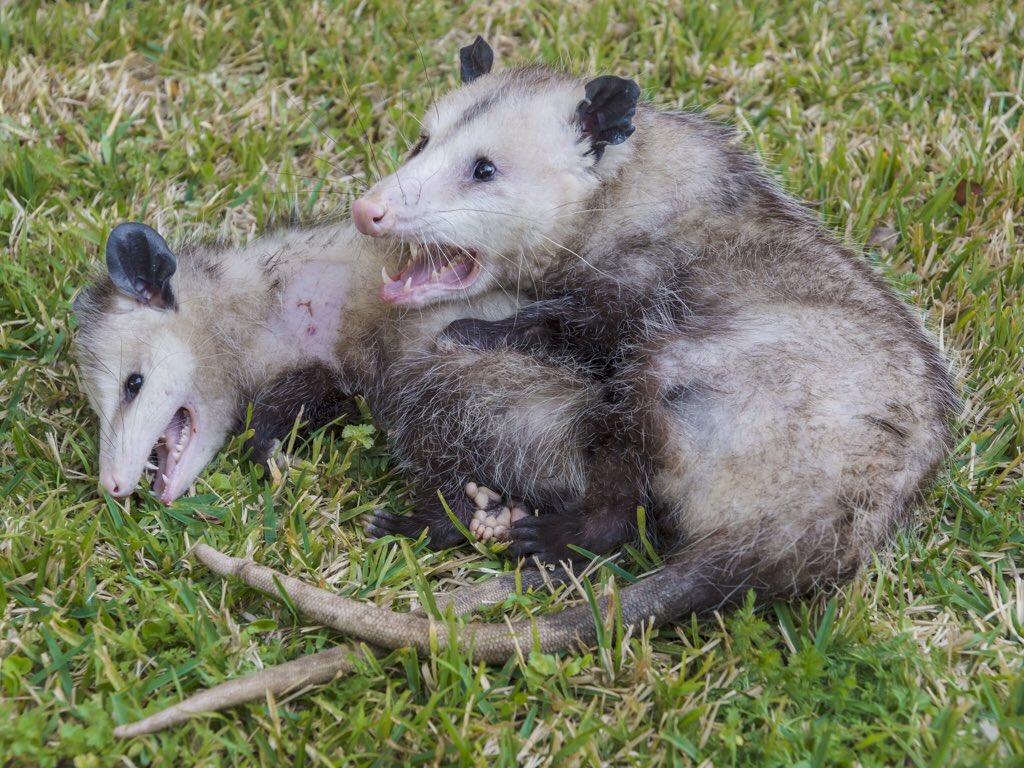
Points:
(214, 119)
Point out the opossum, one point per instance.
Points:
(763, 391)
(172, 349)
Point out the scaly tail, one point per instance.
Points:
(318, 668)
(694, 582)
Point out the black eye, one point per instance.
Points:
(132, 385)
(420, 146)
(484, 170)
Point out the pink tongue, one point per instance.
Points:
(419, 272)
(161, 469)
(457, 273)
(166, 461)
(452, 274)
(450, 271)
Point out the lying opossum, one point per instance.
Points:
(763, 391)
(171, 350)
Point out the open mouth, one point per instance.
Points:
(432, 270)
(165, 459)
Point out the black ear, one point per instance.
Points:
(477, 59)
(141, 264)
(606, 115)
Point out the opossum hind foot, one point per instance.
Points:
(545, 537)
(484, 512)
(493, 518)
(479, 509)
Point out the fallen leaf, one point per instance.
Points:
(966, 189)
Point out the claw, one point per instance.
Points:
(383, 523)
(536, 536)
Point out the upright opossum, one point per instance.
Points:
(764, 392)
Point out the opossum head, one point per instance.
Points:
(140, 349)
(499, 181)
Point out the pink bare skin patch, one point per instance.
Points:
(308, 324)
(494, 517)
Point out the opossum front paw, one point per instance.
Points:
(527, 334)
(261, 451)
(471, 332)
(493, 517)
(440, 530)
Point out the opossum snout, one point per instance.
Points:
(372, 216)
(116, 487)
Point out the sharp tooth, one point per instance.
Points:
(164, 476)
(408, 285)
(151, 466)
(385, 276)
(435, 276)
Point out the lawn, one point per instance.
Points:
(900, 123)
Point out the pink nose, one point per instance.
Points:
(371, 216)
(114, 486)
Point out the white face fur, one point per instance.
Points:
(493, 190)
(144, 376)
